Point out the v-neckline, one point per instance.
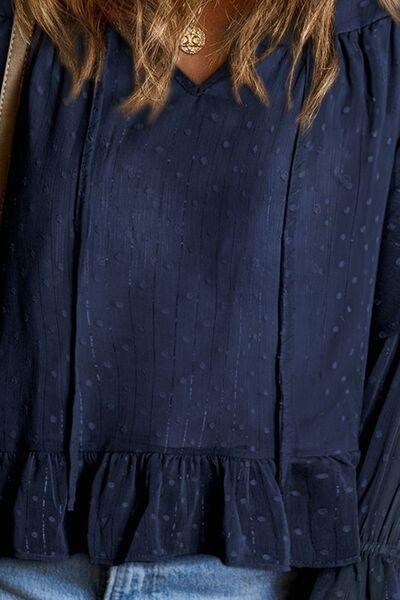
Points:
(221, 72)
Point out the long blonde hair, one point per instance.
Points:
(152, 28)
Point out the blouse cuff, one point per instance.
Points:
(375, 576)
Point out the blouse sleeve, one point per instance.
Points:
(5, 32)
(377, 575)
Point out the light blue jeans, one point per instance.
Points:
(200, 577)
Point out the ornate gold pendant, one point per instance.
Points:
(193, 40)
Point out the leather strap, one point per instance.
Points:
(9, 100)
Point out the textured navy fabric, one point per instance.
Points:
(186, 308)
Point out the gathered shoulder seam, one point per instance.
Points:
(360, 27)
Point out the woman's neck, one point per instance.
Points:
(214, 20)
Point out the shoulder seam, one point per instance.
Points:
(365, 25)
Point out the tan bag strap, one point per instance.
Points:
(9, 100)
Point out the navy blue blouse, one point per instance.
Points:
(187, 327)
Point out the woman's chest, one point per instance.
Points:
(208, 174)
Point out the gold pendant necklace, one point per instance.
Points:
(194, 38)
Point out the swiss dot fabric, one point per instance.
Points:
(187, 331)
